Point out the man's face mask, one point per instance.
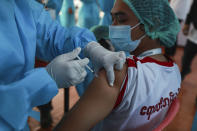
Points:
(120, 37)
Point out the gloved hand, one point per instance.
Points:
(102, 57)
(66, 71)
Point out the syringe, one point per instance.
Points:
(86, 65)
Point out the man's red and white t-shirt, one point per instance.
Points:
(145, 96)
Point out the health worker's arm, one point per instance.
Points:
(97, 102)
(53, 39)
(17, 99)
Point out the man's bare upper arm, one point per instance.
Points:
(97, 102)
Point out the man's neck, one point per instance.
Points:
(145, 45)
(149, 44)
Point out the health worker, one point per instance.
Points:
(27, 31)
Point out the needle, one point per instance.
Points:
(86, 65)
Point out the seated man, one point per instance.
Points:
(149, 81)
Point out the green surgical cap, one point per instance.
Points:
(158, 19)
(100, 32)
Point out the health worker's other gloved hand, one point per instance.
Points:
(67, 71)
(102, 57)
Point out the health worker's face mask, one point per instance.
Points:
(120, 37)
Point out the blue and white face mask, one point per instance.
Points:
(120, 37)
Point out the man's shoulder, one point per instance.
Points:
(118, 74)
